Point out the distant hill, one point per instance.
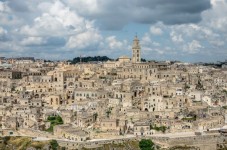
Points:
(89, 59)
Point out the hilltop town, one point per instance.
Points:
(116, 99)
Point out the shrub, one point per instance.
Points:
(146, 144)
(54, 144)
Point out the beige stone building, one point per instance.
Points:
(68, 132)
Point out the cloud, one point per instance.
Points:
(6, 15)
(216, 19)
(3, 34)
(114, 44)
(155, 30)
(177, 29)
(203, 41)
(176, 38)
(146, 41)
(89, 39)
(56, 19)
(19, 6)
(54, 28)
(192, 47)
(4, 7)
(146, 11)
(32, 41)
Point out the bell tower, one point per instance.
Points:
(136, 56)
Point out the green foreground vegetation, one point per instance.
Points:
(23, 143)
(54, 120)
(146, 144)
(161, 128)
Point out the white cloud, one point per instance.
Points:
(145, 11)
(56, 20)
(176, 38)
(3, 7)
(3, 34)
(38, 26)
(217, 42)
(146, 41)
(32, 41)
(156, 30)
(7, 17)
(205, 38)
(192, 47)
(66, 16)
(84, 40)
(82, 5)
(2, 31)
(113, 43)
(216, 17)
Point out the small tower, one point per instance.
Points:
(136, 56)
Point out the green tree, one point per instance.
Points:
(54, 120)
(146, 144)
(89, 58)
(51, 118)
(54, 144)
(59, 119)
(143, 60)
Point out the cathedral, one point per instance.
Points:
(123, 60)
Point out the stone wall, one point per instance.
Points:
(203, 142)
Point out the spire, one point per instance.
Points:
(136, 43)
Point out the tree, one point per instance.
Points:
(143, 60)
(59, 119)
(146, 144)
(54, 144)
(89, 59)
(54, 120)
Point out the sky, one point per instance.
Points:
(184, 30)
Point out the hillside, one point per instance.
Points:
(26, 143)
